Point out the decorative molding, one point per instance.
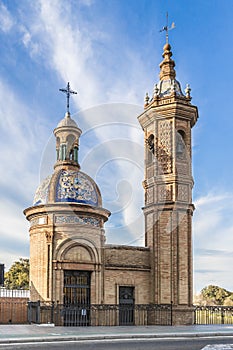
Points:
(75, 219)
(164, 147)
(150, 195)
(144, 184)
(40, 220)
(165, 193)
(183, 193)
(150, 172)
(149, 222)
(49, 236)
(182, 168)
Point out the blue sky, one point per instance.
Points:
(110, 52)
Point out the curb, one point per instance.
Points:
(110, 337)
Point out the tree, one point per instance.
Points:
(229, 300)
(214, 295)
(18, 275)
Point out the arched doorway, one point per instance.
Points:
(77, 297)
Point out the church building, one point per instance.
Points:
(70, 262)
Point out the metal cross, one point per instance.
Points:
(166, 28)
(68, 91)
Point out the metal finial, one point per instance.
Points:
(167, 28)
(156, 90)
(146, 100)
(68, 91)
(187, 90)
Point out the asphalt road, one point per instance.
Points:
(131, 344)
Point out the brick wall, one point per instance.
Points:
(127, 266)
(13, 310)
(137, 257)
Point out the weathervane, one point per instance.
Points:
(166, 28)
(68, 91)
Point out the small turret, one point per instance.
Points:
(67, 135)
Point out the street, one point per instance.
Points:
(130, 344)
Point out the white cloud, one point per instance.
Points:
(20, 156)
(19, 144)
(6, 20)
(26, 37)
(213, 240)
(112, 153)
(87, 2)
(68, 49)
(12, 226)
(80, 52)
(14, 229)
(29, 42)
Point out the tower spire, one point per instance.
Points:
(167, 70)
(167, 28)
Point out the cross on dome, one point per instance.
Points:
(68, 91)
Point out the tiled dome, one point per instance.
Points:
(71, 186)
(166, 87)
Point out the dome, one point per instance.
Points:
(41, 195)
(166, 87)
(72, 186)
(67, 121)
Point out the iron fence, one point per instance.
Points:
(214, 315)
(20, 311)
(99, 315)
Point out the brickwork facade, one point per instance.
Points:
(167, 121)
(13, 310)
(70, 261)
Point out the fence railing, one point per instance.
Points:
(20, 311)
(214, 315)
(14, 293)
(99, 315)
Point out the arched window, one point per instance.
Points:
(69, 146)
(57, 146)
(151, 148)
(63, 151)
(180, 144)
(150, 141)
(75, 152)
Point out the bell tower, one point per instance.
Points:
(167, 121)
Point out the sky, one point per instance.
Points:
(109, 51)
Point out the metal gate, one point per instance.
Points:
(126, 306)
(76, 310)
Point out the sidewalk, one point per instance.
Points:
(29, 333)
